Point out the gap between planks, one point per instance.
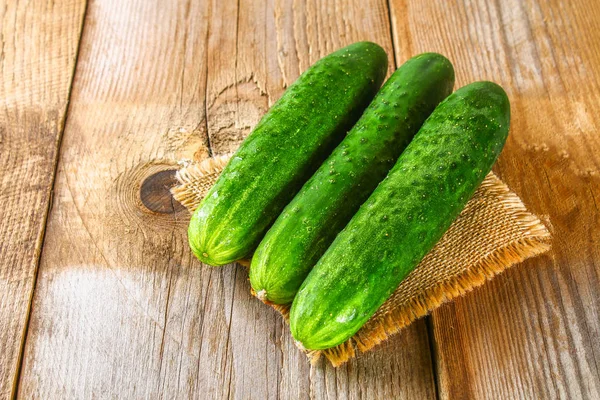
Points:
(42, 236)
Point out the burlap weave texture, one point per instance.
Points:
(493, 232)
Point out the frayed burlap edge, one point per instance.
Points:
(477, 274)
(192, 189)
(422, 305)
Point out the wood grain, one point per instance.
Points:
(121, 308)
(103, 323)
(38, 47)
(535, 331)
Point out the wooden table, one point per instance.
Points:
(100, 296)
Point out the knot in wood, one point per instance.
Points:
(155, 193)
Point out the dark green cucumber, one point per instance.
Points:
(325, 204)
(404, 217)
(284, 150)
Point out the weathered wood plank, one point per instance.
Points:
(102, 322)
(535, 331)
(271, 46)
(121, 307)
(38, 48)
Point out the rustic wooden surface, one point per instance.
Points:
(38, 48)
(121, 309)
(534, 332)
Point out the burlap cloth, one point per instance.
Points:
(494, 232)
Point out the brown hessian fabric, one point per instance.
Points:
(493, 232)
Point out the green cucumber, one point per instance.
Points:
(284, 150)
(326, 203)
(404, 217)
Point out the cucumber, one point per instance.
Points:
(404, 217)
(284, 150)
(325, 204)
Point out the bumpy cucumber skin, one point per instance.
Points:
(283, 151)
(404, 217)
(326, 203)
